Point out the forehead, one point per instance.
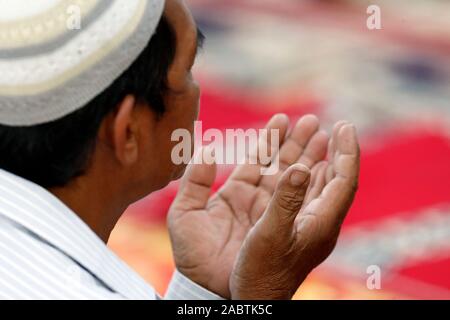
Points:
(184, 27)
(183, 24)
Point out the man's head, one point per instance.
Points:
(123, 134)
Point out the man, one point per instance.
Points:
(86, 120)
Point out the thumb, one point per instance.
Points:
(287, 200)
(195, 187)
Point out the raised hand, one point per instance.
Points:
(207, 233)
(301, 225)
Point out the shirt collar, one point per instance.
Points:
(39, 211)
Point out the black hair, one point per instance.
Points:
(54, 153)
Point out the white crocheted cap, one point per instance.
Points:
(57, 55)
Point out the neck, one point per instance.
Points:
(93, 200)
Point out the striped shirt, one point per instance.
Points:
(48, 252)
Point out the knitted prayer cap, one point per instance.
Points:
(57, 55)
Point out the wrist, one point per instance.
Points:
(207, 282)
(183, 287)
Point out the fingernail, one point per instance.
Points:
(298, 178)
(281, 115)
(209, 150)
(349, 126)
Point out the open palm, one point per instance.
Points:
(207, 232)
(301, 225)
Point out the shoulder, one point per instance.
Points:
(30, 268)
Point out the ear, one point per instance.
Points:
(125, 132)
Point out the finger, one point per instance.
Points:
(337, 196)
(250, 170)
(292, 149)
(315, 150)
(195, 187)
(295, 144)
(346, 162)
(286, 201)
(332, 148)
(317, 182)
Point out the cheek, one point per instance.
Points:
(182, 112)
(193, 103)
(185, 109)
